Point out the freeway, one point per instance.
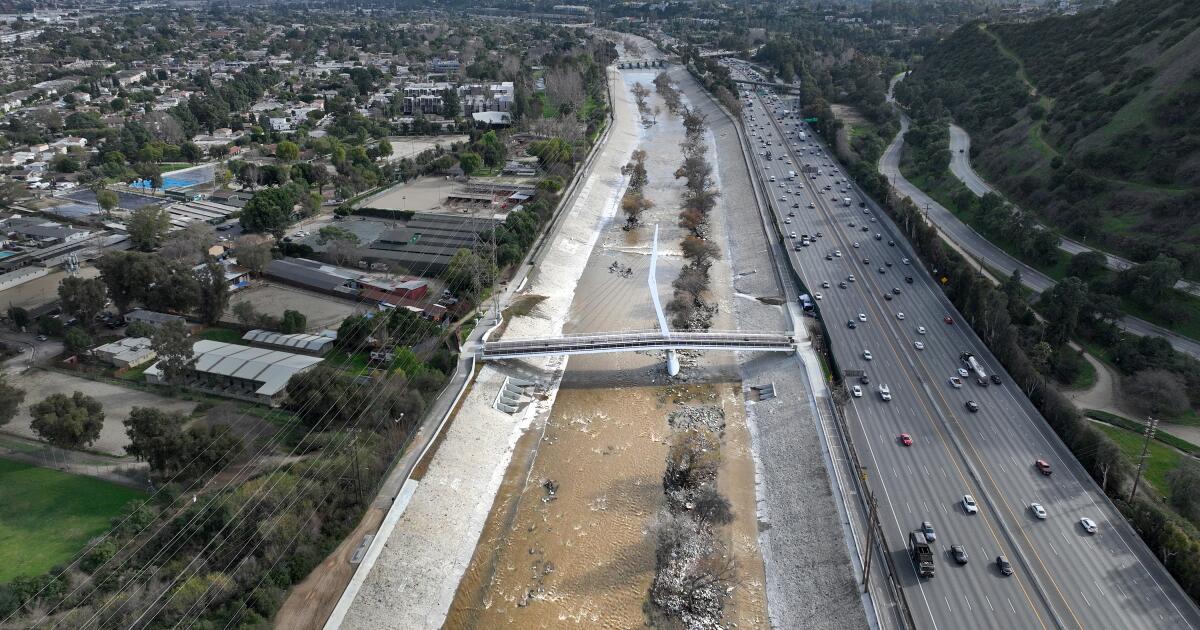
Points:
(1063, 576)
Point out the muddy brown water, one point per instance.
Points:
(581, 556)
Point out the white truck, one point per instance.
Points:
(975, 366)
(803, 136)
(846, 201)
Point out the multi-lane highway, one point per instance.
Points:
(1064, 577)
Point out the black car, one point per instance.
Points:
(850, 324)
(908, 279)
(828, 256)
(892, 243)
(864, 380)
(866, 229)
(995, 379)
(866, 261)
(980, 381)
(1004, 565)
(896, 290)
(887, 296)
(960, 553)
(972, 406)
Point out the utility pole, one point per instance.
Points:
(870, 541)
(1151, 425)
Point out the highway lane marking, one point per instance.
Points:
(1123, 593)
(1014, 609)
(1085, 598)
(1052, 547)
(944, 510)
(969, 607)
(889, 339)
(1099, 588)
(989, 602)
(948, 608)
(900, 530)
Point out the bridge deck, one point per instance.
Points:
(634, 341)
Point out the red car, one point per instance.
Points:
(948, 319)
(906, 439)
(1043, 466)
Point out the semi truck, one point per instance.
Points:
(922, 554)
(973, 364)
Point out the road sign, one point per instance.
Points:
(810, 120)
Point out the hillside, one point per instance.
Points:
(1091, 121)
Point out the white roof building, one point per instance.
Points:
(243, 372)
(301, 342)
(125, 353)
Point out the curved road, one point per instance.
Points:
(1064, 577)
(963, 235)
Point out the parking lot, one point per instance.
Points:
(322, 311)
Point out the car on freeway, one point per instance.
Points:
(900, 315)
(1043, 467)
(881, 270)
(788, 220)
(948, 319)
(906, 439)
(855, 243)
(864, 379)
(862, 317)
(850, 324)
(995, 378)
(864, 228)
(908, 279)
(866, 261)
(820, 235)
(972, 406)
(850, 277)
(885, 392)
(867, 355)
(959, 552)
(896, 290)
(887, 296)
(1004, 565)
(842, 284)
(1038, 510)
(828, 256)
(955, 382)
(969, 504)
(1088, 525)
(825, 284)
(818, 295)
(927, 529)
(963, 372)
(918, 345)
(980, 381)
(857, 391)
(837, 253)
(810, 204)
(906, 261)
(920, 330)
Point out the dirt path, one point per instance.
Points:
(1102, 394)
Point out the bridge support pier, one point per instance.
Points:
(672, 363)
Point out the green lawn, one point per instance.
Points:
(226, 335)
(49, 516)
(167, 167)
(1186, 304)
(1086, 377)
(1160, 459)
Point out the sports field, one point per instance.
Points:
(48, 516)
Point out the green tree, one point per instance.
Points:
(158, 438)
(1151, 282)
(253, 253)
(1062, 306)
(214, 292)
(19, 317)
(287, 151)
(293, 322)
(84, 299)
(335, 233)
(107, 200)
(384, 148)
(470, 162)
(77, 341)
(492, 149)
(1087, 265)
(68, 421)
(148, 226)
(140, 329)
(467, 273)
(11, 398)
(269, 211)
(354, 331)
(451, 108)
(174, 350)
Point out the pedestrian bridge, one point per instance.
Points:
(595, 343)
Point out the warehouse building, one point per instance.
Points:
(427, 242)
(257, 375)
(300, 342)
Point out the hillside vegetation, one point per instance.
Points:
(1090, 121)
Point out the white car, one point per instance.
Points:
(817, 295)
(918, 345)
(920, 330)
(855, 244)
(906, 261)
(825, 284)
(1088, 525)
(1038, 510)
(856, 391)
(956, 382)
(837, 253)
(787, 220)
(862, 317)
(963, 373)
(884, 392)
(968, 503)
(850, 277)
(900, 315)
(867, 355)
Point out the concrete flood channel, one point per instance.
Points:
(566, 541)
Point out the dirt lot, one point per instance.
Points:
(323, 311)
(116, 400)
(37, 292)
